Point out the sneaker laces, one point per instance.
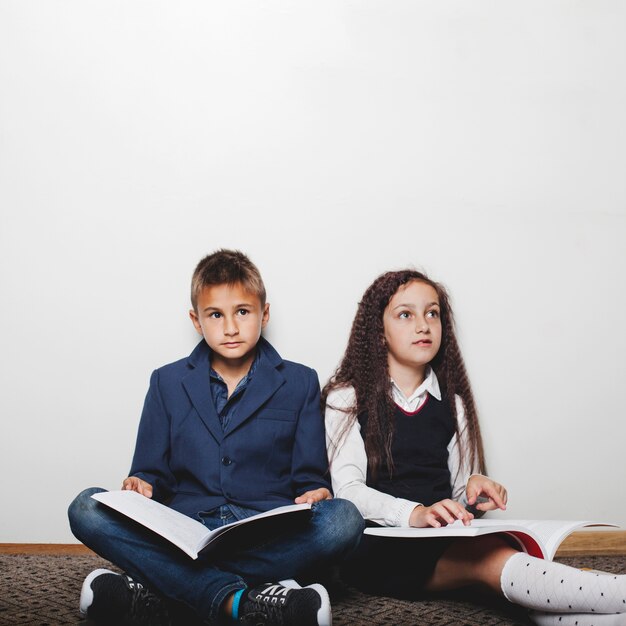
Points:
(146, 608)
(262, 613)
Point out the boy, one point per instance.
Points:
(225, 433)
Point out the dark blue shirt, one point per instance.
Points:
(224, 405)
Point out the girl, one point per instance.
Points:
(405, 447)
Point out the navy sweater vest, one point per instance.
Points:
(420, 454)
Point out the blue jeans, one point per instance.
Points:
(332, 533)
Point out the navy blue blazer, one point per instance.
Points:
(272, 450)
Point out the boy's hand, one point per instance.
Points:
(311, 497)
(132, 483)
(439, 514)
(481, 486)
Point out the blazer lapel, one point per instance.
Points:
(196, 384)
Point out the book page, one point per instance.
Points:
(524, 538)
(181, 530)
(189, 535)
(551, 533)
(546, 534)
(453, 530)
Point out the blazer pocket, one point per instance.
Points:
(282, 415)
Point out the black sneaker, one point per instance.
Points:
(114, 599)
(286, 603)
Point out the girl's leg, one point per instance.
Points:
(578, 619)
(476, 561)
(530, 582)
(554, 587)
(394, 567)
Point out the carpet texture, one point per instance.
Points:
(44, 591)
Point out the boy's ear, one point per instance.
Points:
(266, 315)
(196, 322)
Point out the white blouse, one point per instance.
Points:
(348, 461)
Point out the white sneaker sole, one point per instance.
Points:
(86, 592)
(324, 613)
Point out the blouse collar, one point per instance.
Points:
(429, 385)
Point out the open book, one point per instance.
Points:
(192, 536)
(540, 538)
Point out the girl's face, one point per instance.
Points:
(412, 327)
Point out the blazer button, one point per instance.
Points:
(226, 460)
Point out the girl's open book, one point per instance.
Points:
(191, 536)
(540, 538)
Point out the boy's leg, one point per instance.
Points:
(332, 533)
(149, 558)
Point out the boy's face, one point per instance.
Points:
(230, 319)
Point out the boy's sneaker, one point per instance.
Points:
(286, 603)
(114, 599)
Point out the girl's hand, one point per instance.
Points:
(481, 486)
(311, 497)
(132, 483)
(440, 514)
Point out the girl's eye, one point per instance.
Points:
(404, 315)
(433, 313)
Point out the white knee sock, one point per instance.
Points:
(578, 619)
(553, 587)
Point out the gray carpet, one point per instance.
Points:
(44, 590)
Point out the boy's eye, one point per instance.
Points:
(215, 315)
(243, 312)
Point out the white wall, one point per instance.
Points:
(482, 141)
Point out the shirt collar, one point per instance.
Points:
(246, 377)
(429, 385)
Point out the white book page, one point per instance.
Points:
(184, 532)
(453, 530)
(181, 530)
(549, 533)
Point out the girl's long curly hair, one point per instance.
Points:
(365, 368)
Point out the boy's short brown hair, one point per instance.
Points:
(227, 267)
